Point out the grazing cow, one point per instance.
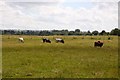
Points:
(59, 40)
(109, 38)
(45, 40)
(98, 44)
(21, 40)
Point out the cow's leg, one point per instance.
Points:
(43, 41)
(62, 41)
(94, 45)
(100, 46)
(22, 41)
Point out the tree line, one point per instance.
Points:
(115, 31)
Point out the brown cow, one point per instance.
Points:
(98, 44)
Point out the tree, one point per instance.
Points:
(107, 33)
(95, 32)
(71, 33)
(44, 33)
(63, 32)
(103, 32)
(77, 31)
(89, 33)
(115, 31)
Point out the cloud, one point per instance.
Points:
(54, 1)
(55, 14)
(104, 0)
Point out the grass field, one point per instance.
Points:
(77, 58)
(0, 56)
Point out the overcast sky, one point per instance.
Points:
(59, 14)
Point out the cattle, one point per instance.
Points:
(98, 44)
(21, 39)
(109, 38)
(59, 40)
(45, 40)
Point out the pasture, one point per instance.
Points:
(76, 58)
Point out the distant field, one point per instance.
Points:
(77, 58)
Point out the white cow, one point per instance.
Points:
(59, 40)
(21, 39)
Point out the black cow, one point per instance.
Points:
(98, 44)
(45, 40)
(59, 40)
(109, 38)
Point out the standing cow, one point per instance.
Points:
(45, 40)
(21, 39)
(98, 44)
(59, 40)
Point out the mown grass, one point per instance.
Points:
(77, 58)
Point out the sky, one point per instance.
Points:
(59, 14)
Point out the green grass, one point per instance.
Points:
(77, 58)
(0, 57)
